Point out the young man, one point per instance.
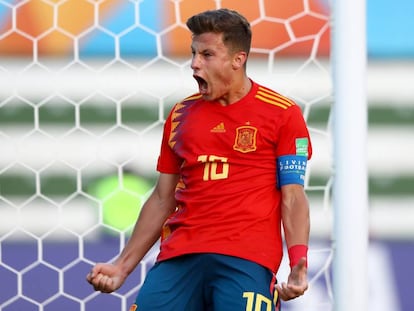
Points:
(232, 165)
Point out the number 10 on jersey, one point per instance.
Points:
(215, 167)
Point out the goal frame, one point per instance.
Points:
(350, 189)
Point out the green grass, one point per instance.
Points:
(378, 115)
(25, 115)
(94, 114)
(65, 185)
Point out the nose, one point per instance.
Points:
(195, 63)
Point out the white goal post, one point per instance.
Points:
(350, 189)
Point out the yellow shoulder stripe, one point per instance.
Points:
(194, 96)
(274, 98)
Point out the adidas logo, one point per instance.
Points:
(219, 128)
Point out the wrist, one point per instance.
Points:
(296, 252)
(123, 265)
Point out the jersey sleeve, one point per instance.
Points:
(294, 136)
(294, 149)
(168, 161)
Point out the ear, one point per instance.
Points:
(239, 60)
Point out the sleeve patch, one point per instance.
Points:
(302, 146)
(291, 169)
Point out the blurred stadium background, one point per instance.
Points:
(84, 89)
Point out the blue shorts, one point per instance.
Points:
(207, 282)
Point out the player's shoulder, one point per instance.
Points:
(187, 101)
(273, 99)
(192, 98)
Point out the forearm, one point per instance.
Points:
(296, 223)
(147, 230)
(296, 228)
(295, 217)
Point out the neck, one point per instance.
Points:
(238, 91)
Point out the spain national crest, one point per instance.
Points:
(245, 139)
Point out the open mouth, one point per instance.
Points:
(202, 84)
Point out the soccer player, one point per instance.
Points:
(232, 164)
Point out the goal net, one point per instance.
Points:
(85, 87)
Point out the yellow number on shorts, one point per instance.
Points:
(257, 300)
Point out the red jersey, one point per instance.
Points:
(228, 201)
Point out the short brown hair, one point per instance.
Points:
(237, 35)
